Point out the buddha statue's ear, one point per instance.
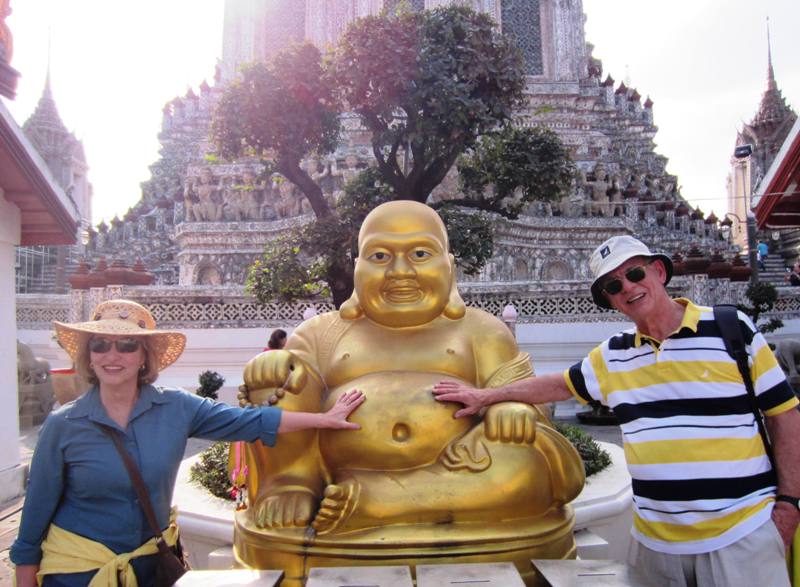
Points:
(351, 309)
(455, 308)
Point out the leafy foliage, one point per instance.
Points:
(426, 84)
(211, 470)
(210, 382)
(595, 459)
(761, 297)
(288, 269)
(281, 111)
(470, 235)
(512, 167)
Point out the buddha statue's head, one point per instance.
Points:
(404, 274)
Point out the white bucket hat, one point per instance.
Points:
(613, 253)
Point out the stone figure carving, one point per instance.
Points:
(35, 387)
(788, 354)
(616, 207)
(345, 174)
(202, 196)
(412, 477)
(598, 205)
(288, 202)
(320, 172)
(234, 200)
(253, 196)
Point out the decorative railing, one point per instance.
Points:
(39, 311)
(230, 307)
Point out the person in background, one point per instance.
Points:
(82, 521)
(763, 251)
(709, 509)
(793, 275)
(277, 340)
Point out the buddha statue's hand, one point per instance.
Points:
(268, 376)
(511, 422)
(291, 508)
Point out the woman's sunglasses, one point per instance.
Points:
(123, 345)
(635, 274)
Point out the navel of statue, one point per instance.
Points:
(412, 475)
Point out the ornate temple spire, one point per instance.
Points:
(771, 84)
(773, 109)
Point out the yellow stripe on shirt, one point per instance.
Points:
(698, 530)
(694, 450)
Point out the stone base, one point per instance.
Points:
(298, 551)
(12, 482)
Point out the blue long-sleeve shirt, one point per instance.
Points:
(79, 482)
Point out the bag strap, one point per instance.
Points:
(138, 484)
(727, 319)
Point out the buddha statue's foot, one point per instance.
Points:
(337, 505)
(291, 509)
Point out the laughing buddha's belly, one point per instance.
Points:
(402, 425)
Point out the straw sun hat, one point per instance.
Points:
(122, 318)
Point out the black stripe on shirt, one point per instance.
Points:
(731, 506)
(576, 376)
(622, 341)
(775, 395)
(668, 408)
(709, 328)
(697, 489)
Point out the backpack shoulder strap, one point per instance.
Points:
(727, 319)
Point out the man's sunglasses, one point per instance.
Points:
(635, 274)
(124, 345)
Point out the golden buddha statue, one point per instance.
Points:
(414, 484)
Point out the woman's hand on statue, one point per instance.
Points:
(346, 403)
(454, 391)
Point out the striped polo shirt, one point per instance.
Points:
(701, 477)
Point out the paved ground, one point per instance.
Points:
(10, 511)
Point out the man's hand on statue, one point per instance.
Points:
(511, 422)
(336, 417)
(454, 391)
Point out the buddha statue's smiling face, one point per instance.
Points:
(403, 274)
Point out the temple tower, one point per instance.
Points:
(766, 132)
(62, 152)
(44, 268)
(549, 32)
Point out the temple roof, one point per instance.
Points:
(45, 116)
(773, 109)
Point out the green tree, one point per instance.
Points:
(512, 167)
(427, 85)
(281, 112)
(761, 298)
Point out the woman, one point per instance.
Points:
(277, 340)
(78, 482)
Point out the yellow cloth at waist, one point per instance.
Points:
(66, 552)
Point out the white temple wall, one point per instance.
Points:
(552, 347)
(12, 474)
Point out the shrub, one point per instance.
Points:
(210, 382)
(595, 459)
(211, 471)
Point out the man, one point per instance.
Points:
(705, 508)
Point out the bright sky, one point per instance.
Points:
(115, 64)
